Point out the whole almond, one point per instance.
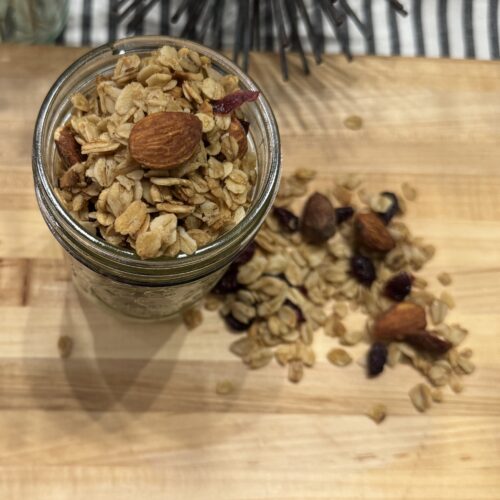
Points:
(398, 321)
(318, 221)
(165, 140)
(237, 131)
(69, 150)
(372, 233)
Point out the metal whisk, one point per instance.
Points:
(203, 22)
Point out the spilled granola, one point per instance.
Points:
(346, 252)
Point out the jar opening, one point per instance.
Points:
(96, 251)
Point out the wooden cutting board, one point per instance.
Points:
(133, 413)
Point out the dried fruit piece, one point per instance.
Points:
(298, 311)
(372, 233)
(343, 214)
(246, 254)
(166, 139)
(399, 286)
(377, 357)
(317, 223)
(233, 101)
(287, 220)
(237, 132)
(428, 342)
(378, 413)
(69, 150)
(229, 282)
(236, 325)
(363, 270)
(393, 209)
(398, 321)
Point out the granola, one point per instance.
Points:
(133, 197)
(297, 279)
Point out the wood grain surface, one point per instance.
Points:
(133, 413)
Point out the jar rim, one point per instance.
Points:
(126, 257)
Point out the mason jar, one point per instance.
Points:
(116, 276)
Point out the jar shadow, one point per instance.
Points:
(114, 368)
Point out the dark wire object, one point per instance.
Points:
(203, 21)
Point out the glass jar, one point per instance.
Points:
(157, 288)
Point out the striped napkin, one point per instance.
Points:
(433, 28)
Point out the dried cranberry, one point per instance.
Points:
(246, 254)
(233, 101)
(300, 315)
(236, 325)
(393, 208)
(286, 219)
(228, 283)
(343, 213)
(303, 290)
(399, 286)
(245, 125)
(363, 270)
(377, 356)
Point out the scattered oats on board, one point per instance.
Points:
(444, 278)
(378, 413)
(224, 387)
(316, 264)
(192, 318)
(158, 198)
(339, 357)
(65, 346)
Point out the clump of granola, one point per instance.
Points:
(156, 157)
(294, 282)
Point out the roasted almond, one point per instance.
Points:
(398, 321)
(237, 131)
(69, 150)
(372, 233)
(165, 140)
(318, 220)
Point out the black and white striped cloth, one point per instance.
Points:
(433, 28)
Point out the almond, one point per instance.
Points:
(372, 233)
(398, 321)
(318, 220)
(165, 140)
(237, 131)
(69, 150)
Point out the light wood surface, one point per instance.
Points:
(134, 415)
